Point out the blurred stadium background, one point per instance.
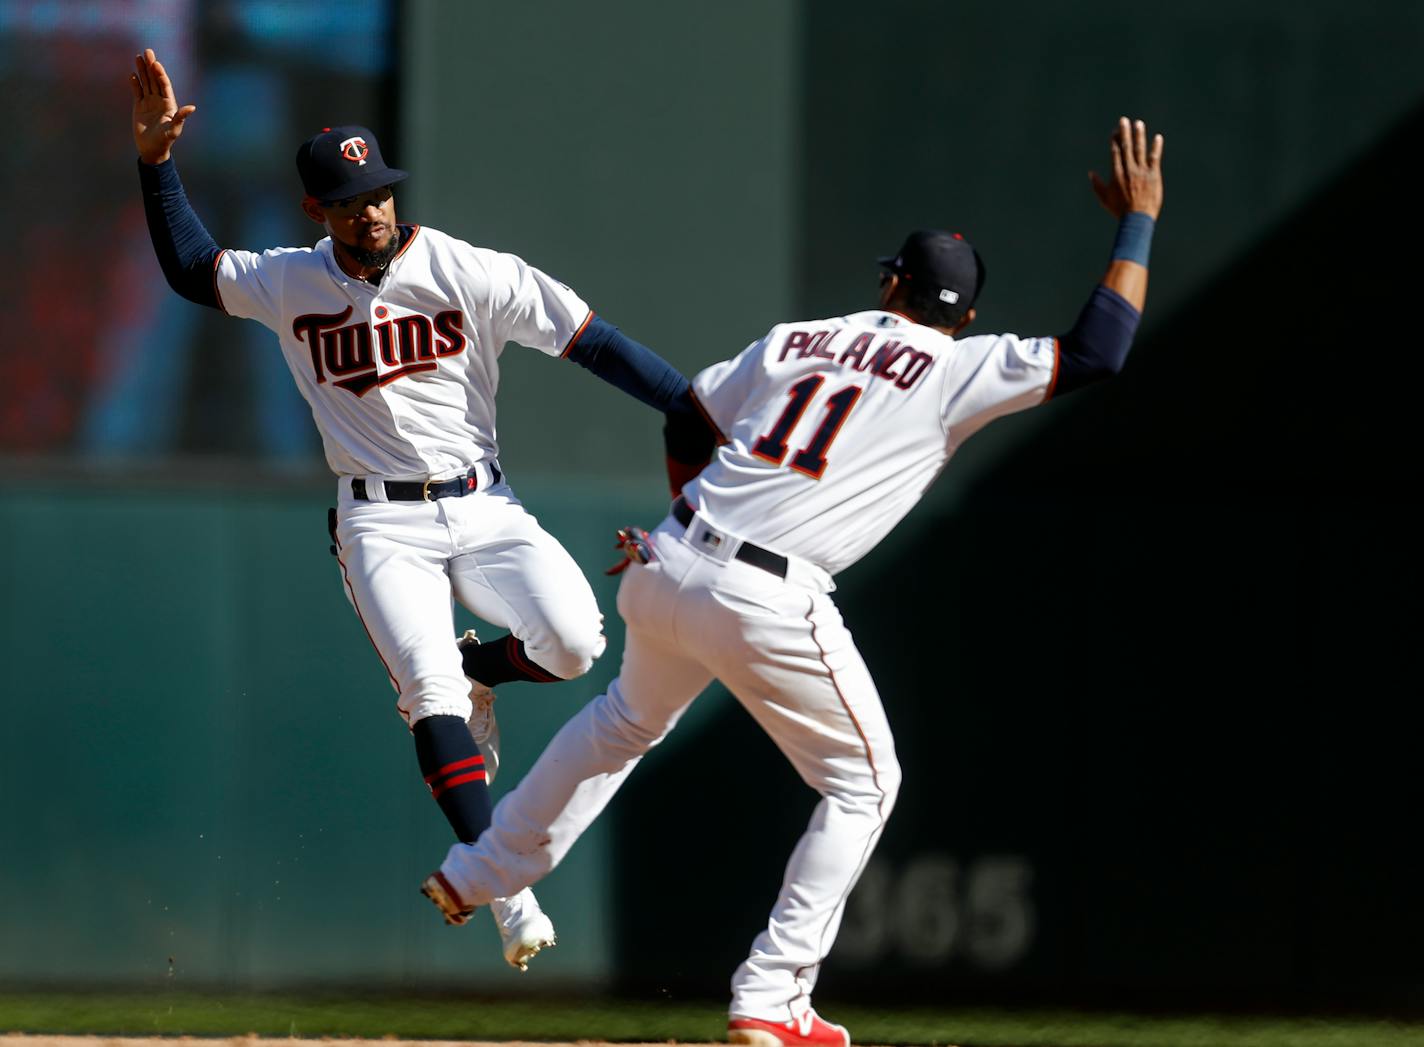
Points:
(1146, 650)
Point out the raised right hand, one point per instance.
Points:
(157, 120)
(1136, 183)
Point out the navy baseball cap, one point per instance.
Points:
(342, 162)
(944, 262)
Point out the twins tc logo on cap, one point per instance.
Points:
(343, 162)
(355, 150)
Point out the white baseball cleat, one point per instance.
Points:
(483, 727)
(523, 928)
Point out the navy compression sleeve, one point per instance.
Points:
(689, 439)
(687, 435)
(634, 368)
(1097, 345)
(186, 252)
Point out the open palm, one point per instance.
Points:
(1136, 180)
(157, 119)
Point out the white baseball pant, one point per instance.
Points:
(779, 646)
(404, 563)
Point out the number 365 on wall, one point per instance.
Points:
(934, 908)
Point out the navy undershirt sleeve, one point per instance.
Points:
(687, 436)
(632, 367)
(186, 252)
(1097, 346)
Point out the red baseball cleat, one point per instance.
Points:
(811, 1030)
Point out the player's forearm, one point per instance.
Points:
(186, 252)
(1129, 280)
(1127, 269)
(628, 365)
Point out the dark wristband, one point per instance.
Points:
(1134, 238)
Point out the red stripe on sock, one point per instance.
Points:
(457, 765)
(523, 662)
(460, 779)
(462, 764)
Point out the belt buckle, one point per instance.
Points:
(425, 490)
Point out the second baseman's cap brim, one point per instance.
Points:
(364, 183)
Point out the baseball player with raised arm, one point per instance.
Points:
(393, 334)
(829, 431)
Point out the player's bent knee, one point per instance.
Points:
(872, 792)
(887, 778)
(619, 725)
(573, 656)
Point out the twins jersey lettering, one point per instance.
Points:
(401, 376)
(836, 427)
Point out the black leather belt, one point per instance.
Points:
(746, 552)
(418, 491)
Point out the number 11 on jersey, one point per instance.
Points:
(811, 459)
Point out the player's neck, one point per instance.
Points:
(951, 331)
(362, 270)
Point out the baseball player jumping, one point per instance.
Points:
(393, 334)
(830, 431)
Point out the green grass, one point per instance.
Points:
(169, 1013)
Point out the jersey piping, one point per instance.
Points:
(1053, 381)
(577, 335)
(217, 292)
(414, 232)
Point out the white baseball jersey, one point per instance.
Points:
(836, 427)
(401, 375)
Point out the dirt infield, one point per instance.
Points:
(24, 1040)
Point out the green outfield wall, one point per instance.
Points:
(202, 773)
(646, 153)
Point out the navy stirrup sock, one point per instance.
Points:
(504, 661)
(455, 772)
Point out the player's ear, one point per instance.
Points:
(888, 283)
(969, 315)
(313, 210)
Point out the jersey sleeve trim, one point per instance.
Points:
(217, 291)
(716, 429)
(577, 335)
(1053, 379)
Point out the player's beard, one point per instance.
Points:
(378, 258)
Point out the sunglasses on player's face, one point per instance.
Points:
(358, 203)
